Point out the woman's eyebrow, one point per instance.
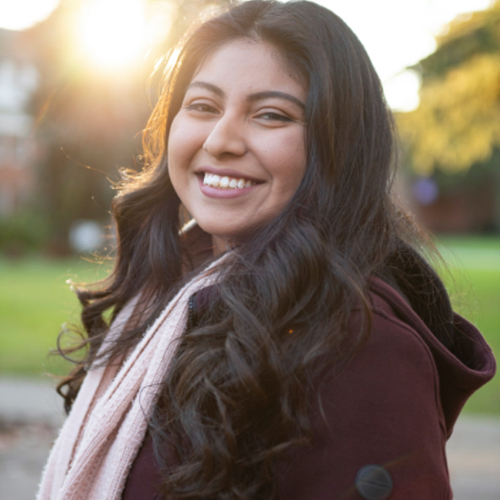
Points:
(209, 86)
(276, 93)
(258, 96)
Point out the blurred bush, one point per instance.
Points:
(23, 232)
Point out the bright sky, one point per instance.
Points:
(21, 14)
(396, 33)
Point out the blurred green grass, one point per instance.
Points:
(472, 276)
(35, 301)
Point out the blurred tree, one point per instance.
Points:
(89, 121)
(454, 134)
(458, 121)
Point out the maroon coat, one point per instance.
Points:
(394, 407)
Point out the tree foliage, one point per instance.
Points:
(457, 123)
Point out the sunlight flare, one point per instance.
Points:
(112, 32)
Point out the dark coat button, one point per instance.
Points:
(373, 482)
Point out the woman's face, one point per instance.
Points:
(236, 148)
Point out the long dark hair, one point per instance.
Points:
(237, 394)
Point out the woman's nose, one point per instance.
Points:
(226, 138)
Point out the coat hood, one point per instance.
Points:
(463, 366)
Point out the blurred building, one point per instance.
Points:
(464, 208)
(18, 81)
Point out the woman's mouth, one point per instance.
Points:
(226, 182)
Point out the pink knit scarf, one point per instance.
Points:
(102, 435)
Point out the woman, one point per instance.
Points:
(290, 342)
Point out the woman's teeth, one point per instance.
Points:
(226, 182)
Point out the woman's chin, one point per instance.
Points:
(223, 232)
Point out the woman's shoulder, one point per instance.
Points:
(381, 409)
(388, 413)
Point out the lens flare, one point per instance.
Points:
(112, 32)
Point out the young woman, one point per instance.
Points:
(290, 342)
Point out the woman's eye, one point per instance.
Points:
(271, 116)
(201, 107)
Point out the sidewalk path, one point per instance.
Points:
(31, 413)
(474, 458)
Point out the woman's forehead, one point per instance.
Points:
(270, 55)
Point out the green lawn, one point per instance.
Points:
(473, 278)
(35, 301)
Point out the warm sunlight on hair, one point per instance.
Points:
(112, 32)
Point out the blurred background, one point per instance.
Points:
(75, 93)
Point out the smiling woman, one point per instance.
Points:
(236, 149)
(289, 342)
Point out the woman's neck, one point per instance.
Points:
(219, 245)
